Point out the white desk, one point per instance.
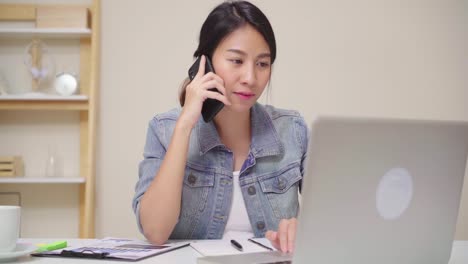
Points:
(184, 255)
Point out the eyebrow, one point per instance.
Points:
(260, 56)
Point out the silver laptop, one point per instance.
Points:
(378, 191)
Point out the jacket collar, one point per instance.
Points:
(265, 139)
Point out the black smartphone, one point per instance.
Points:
(210, 106)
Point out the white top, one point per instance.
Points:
(238, 221)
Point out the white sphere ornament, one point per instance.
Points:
(66, 84)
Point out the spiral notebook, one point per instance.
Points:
(114, 249)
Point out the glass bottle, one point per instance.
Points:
(52, 164)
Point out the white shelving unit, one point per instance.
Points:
(18, 26)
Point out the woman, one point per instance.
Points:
(239, 172)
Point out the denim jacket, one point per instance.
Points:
(269, 178)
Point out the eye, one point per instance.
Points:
(236, 61)
(263, 64)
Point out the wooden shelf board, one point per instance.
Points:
(43, 105)
(43, 180)
(42, 97)
(43, 102)
(45, 32)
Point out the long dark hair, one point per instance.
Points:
(223, 20)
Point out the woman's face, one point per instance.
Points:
(243, 61)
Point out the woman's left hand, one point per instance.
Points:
(284, 238)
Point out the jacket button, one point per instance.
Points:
(281, 184)
(192, 179)
(251, 190)
(260, 225)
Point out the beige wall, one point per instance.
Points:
(364, 57)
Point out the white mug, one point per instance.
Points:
(9, 227)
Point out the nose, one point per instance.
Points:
(249, 74)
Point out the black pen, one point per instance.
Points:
(260, 244)
(237, 245)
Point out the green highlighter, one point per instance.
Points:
(52, 246)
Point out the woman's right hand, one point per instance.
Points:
(197, 92)
(284, 238)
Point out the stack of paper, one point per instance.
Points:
(224, 247)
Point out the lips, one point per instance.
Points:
(245, 95)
